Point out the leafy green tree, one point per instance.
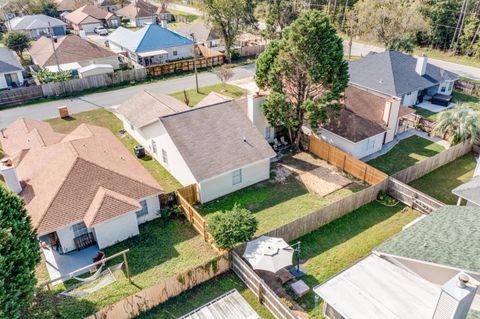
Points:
(470, 37)
(47, 76)
(460, 124)
(232, 227)
(441, 15)
(19, 254)
(280, 14)
(18, 42)
(305, 73)
(229, 18)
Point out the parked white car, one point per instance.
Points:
(101, 31)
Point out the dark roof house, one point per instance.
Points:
(8, 61)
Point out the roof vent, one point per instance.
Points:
(245, 139)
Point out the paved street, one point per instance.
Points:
(361, 49)
(48, 110)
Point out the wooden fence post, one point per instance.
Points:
(126, 267)
(365, 172)
(344, 160)
(260, 292)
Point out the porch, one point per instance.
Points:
(59, 265)
(435, 108)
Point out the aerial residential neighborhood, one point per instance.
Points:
(224, 159)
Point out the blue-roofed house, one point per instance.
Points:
(151, 45)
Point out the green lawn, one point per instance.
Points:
(446, 178)
(102, 117)
(274, 203)
(198, 296)
(342, 242)
(406, 153)
(194, 97)
(162, 250)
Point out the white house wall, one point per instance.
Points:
(255, 114)
(355, 149)
(222, 184)
(153, 205)
(116, 230)
(66, 236)
(410, 99)
(3, 82)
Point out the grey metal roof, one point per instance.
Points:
(230, 305)
(202, 32)
(8, 61)
(36, 21)
(449, 237)
(216, 139)
(393, 73)
(469, 191)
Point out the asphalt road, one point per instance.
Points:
(48, 110)
(361, 49)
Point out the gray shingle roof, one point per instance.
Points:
(216, 139)
(8, 61)
(36, 21)
(449, 236)
(393, 73)
(470, 190)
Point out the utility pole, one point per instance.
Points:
(195, 61)
(50, 29)
(458, 29)
(344, 13)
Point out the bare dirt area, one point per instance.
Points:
(317, 175)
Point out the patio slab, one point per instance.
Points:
(61, 265)
(433, 107)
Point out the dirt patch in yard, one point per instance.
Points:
(317, 175)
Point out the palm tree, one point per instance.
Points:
(460, 123)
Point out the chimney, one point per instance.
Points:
(10, 176)
(421, 66)
(163, 23)
(456, 297)
(254, 111)
(390, 117)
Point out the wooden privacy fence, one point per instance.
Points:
(148, 298)
(185, 65)
(94, 81)
(346, 162)
(259, 288)
(187, 196)
(252, 50)
(412, 197)
(469, 87)
(424, 167)
(20, 95)
(325, 215)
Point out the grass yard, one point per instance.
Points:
(446, 178)
(198, 296)
(275, 203)
(406, 153)
(342, 242)
(162, 250)
(191, 18)
(102, 117)
(233, 91)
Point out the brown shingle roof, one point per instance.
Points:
(213, 98)
(69, 49)
(89, 10)
(146, 107)
(60, 181)
(202, 32)
(216, 139)
(139, 9)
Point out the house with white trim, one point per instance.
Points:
(216, 146)
(469, 192)
(10, 70)
(37, 25)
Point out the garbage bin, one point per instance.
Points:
(139, 151)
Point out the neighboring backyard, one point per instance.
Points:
(194, 97)
(102, 117)
(285, 197)
(440, 183)
(406, 153)
(458, 98)
(341, 243)
(163, 249)
(201, 294)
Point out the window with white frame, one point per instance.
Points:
(268, 133)
(237, 176)
(154, 147)
(164, 156)
(450, 86)
(443, 88)
(79, 229)
(144, 211)
(175, 52)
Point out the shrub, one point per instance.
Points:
(231, 227)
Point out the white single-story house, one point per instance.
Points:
(141, 12)
(415, 274)
(10, 70)
(151, 45)
(365, 124)
(470, 191)
(38, 25)
(395, 74)
(72, 53)
(80, 189)
(204, 34)
(216, 147)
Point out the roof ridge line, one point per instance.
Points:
(151, 94)
(193, 108)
